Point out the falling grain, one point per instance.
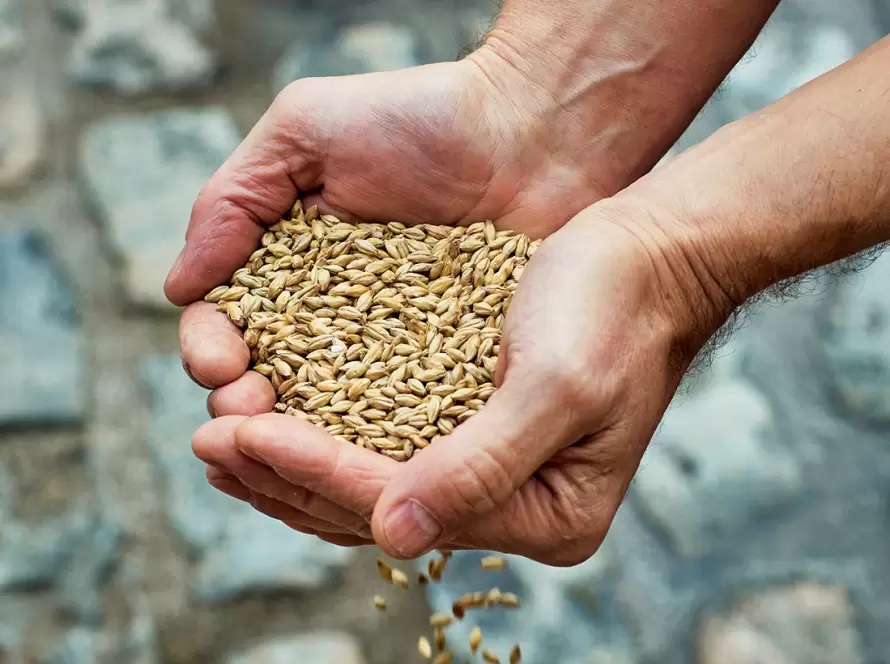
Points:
(494, 563)
(424, 648)
(475, 639)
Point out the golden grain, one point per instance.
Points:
(339, 314)
(475, 639)
(494, 563)
(424, 647)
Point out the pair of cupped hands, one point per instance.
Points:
(608, 316)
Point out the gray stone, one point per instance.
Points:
(88, 570)
(21, 117)
(258, 554)
(566, 615)
(78, 646)
(75, 552)
(22, 139)
(358, 49)
(238, 550)
(12, 37)
(883, 12)
(857, 342)
(41, 342)
(801, 624)
(144, 173)
(71, 14)
(137, 46)
(715, 465)
(317, 648)
(197, 14)
(33, 556)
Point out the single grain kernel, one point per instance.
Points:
(475, 639)
(385, 570)
(441, 620)
(424, 647)
(509, 600)
(379, 603)
(399, 578)
(494, 563)
(439, 637)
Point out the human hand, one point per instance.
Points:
(607, 317)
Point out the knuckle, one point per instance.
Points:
(575, 538)
(477, 486)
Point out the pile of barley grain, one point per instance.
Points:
(385, 335)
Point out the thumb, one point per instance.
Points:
(473, 471)
(253, 189)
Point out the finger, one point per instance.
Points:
(253, 189)
(308, 456)
(229, 485)
(251, 394)
(215, 443)
(213, 351)
(293, 517)
(472, 472)
(348, 541)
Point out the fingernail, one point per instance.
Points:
(411, 529)
(190, 373)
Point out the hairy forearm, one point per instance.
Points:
(799, 185)
(632, 73)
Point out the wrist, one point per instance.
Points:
(687, 301)
(621, 79)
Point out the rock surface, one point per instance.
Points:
(801, 624)
(138, 46)
(12, 36)
(803, 40)
(41, 341)
(238, 549)
(357, 49)
(317, 648)
(21, 117)
(144, 173)
(715, 464)
(743, 564)
(857, 341)
(564, 616)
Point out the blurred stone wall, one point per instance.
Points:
(755, 532)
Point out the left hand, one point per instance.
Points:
(610, 312)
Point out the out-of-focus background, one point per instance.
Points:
(758, 529)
